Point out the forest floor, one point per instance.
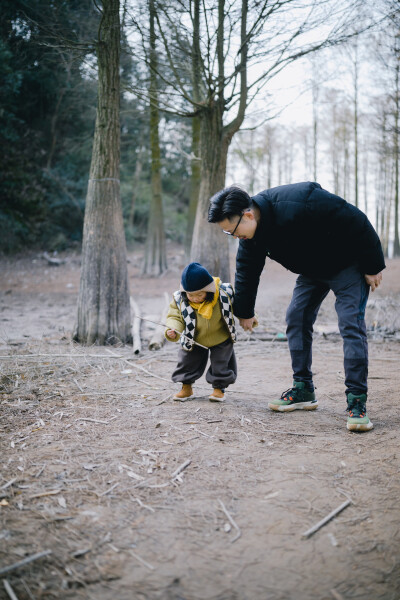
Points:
(91, 443)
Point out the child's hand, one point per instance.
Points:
(171, 334)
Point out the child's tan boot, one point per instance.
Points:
(185, 393)
(217, 395)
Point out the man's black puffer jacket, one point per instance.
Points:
(309, 231)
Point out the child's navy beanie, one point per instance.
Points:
(196, 278)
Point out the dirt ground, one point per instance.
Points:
(92, 444)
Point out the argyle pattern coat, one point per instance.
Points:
(226, 295)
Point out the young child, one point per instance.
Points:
(201, 312)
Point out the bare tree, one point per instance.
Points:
(242, 45)
(103, 301)
(155, 260)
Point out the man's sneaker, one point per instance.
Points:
(185, 393)
(217, 395)
(295, 398)
(358, 419)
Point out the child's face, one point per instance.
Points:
(196, 297)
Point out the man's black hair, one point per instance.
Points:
(227, 203)
(209, 296)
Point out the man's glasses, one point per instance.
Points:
(237, 225)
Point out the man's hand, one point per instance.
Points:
(247, 324)
(171, 334)
(373, 280)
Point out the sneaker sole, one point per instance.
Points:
(360, 426)
(291, 407)
(214, 399)
(182, 399)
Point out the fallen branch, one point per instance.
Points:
(24, 562)
(326, 519)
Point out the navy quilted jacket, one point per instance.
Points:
(309, 231)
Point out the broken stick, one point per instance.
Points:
(24, 562)
(325, 520)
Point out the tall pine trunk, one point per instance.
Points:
(396, 241)
(103, 301)
(209, 244)
(194, 183)
(155, 261)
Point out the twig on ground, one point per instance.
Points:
(181, 468)
(28, 591)
(42, 494)
(336, 595)
(6, 485)
(144, 562)
(9, 590)
(130, 363)
(281, 431)
(288, 432)
(92, 420)
(164, 400)
(77, 385)
(138, 500)
(109, 490)
(24, 562)
(326, 519)
(232, 522)
(188, 440)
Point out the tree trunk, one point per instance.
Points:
(135, 183)
(355, 123)
(103, 301)
(155, 261)
(396, 241)
(194, 183)
(196, 129)
(209, 244)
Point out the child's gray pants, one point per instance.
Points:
(351, 291)
(221, 373)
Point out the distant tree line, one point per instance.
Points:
(48, 96)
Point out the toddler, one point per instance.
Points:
(201, 318)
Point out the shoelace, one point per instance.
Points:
(290, 394)
(357, 409)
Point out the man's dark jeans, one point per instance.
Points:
(351, 291)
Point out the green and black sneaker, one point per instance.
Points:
(295, 398)
(358, 419)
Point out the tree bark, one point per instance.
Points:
(155, 261)
(194, 183)
(209, 244)
(103, 301)
(396, 241)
